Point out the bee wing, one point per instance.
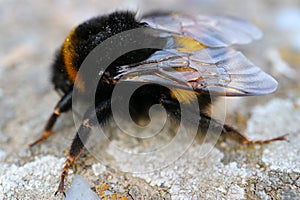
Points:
(218, 71)
(212, 31)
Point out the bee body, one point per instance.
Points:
(197, 61)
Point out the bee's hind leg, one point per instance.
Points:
(205, 122)
(228, 131)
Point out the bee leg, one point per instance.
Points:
(75, 151)
(206, 122)
(245, 140)
(235, 134)
(63, 105)
(82, 135)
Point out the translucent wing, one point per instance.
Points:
(197, 56)
(219, 71)
(212, 31)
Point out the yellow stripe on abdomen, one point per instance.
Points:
(188, 44)
(183, 96)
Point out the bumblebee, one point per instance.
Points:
(188, 37)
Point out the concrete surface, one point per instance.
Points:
(30, 31)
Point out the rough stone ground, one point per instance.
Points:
(30, 31)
